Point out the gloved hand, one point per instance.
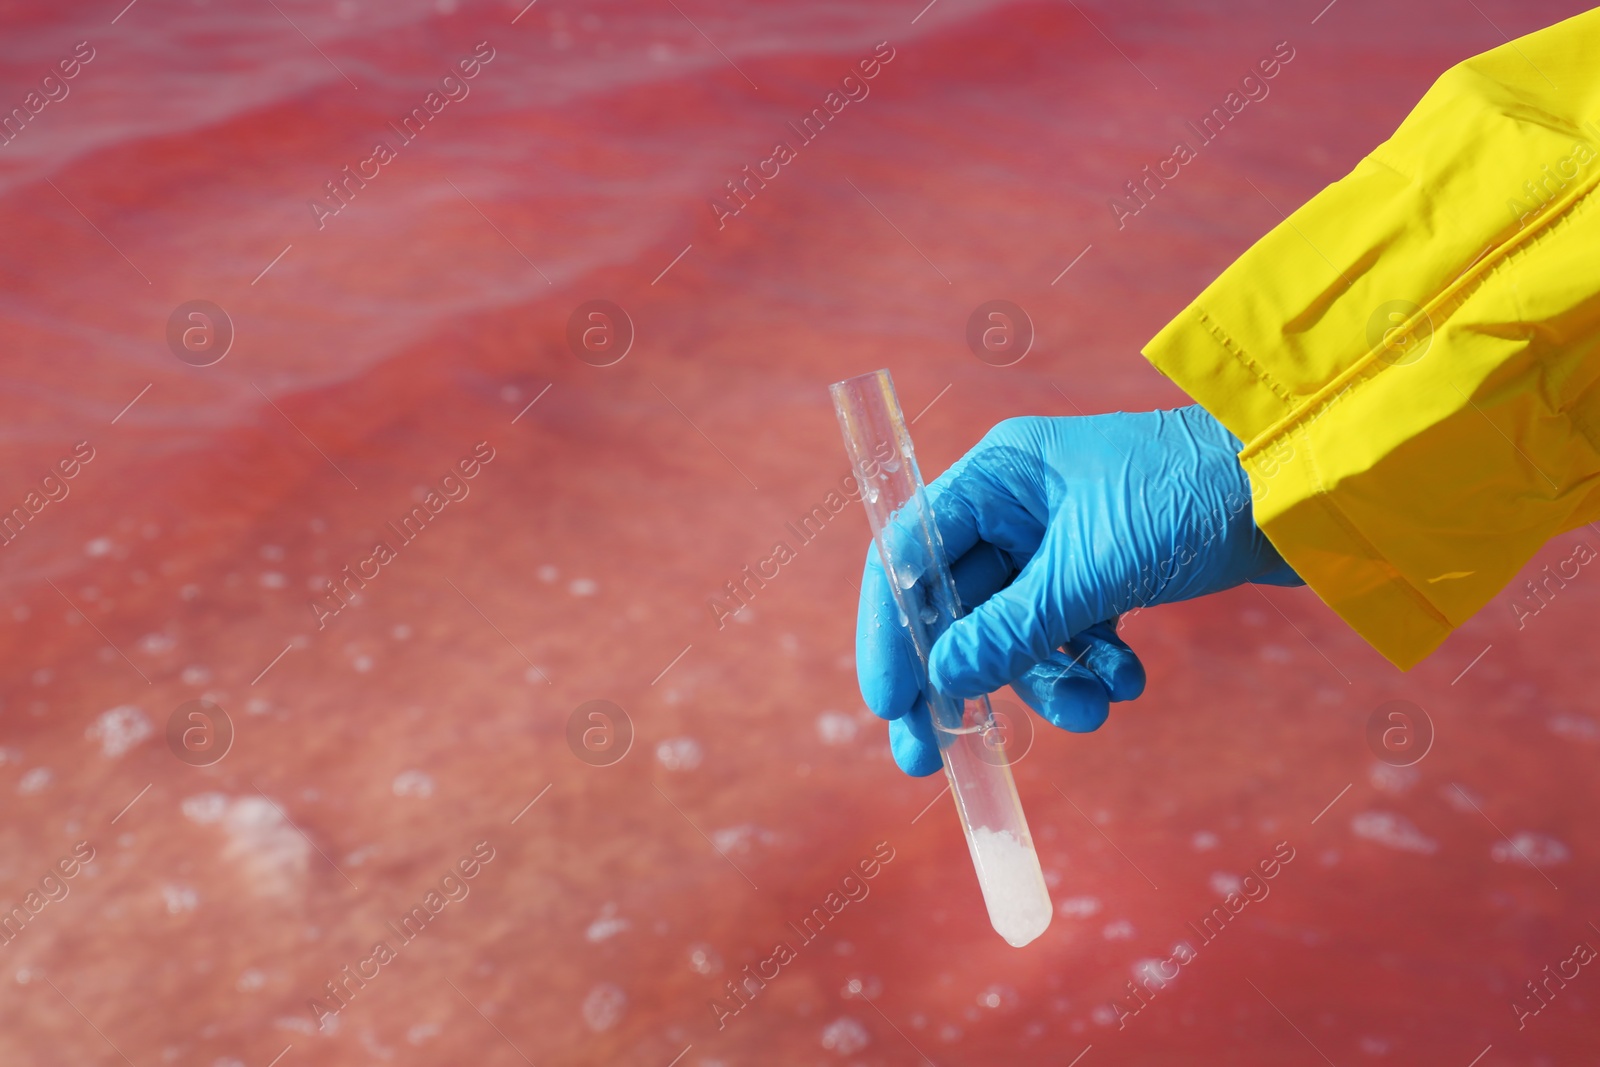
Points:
(1056, 526)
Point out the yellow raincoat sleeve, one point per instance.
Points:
(1412, 359)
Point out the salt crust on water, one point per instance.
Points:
(1014, 890)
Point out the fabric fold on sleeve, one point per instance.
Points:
(1412, 359)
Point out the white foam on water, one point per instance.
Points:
(846, 1036)
(837, 728)
(120, 729)
(1529, 849)
(1079, 907)
(604, 1006)
(1393, 831)
(1396, 781)
(679, 753)
(608, 925)
(1013, 887)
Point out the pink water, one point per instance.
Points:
(374, 353)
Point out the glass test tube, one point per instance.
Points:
(970, 743)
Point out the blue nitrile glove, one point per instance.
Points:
(1056, 526)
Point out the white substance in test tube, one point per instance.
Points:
(1013, 889)
(908, 546)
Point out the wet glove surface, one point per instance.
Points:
(1056, 526)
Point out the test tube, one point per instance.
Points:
(970, 744)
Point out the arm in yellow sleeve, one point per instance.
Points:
(1412, 359)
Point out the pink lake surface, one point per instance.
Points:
(375, 750)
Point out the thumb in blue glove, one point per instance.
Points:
(1056, 527)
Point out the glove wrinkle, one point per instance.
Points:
(1057, 526)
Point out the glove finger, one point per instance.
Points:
(1110, 659)
(1065, 693)
(911, 740)
(981, 573)
(994, 493)
(1075, 687)
(1011, 631)
(886, 664)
